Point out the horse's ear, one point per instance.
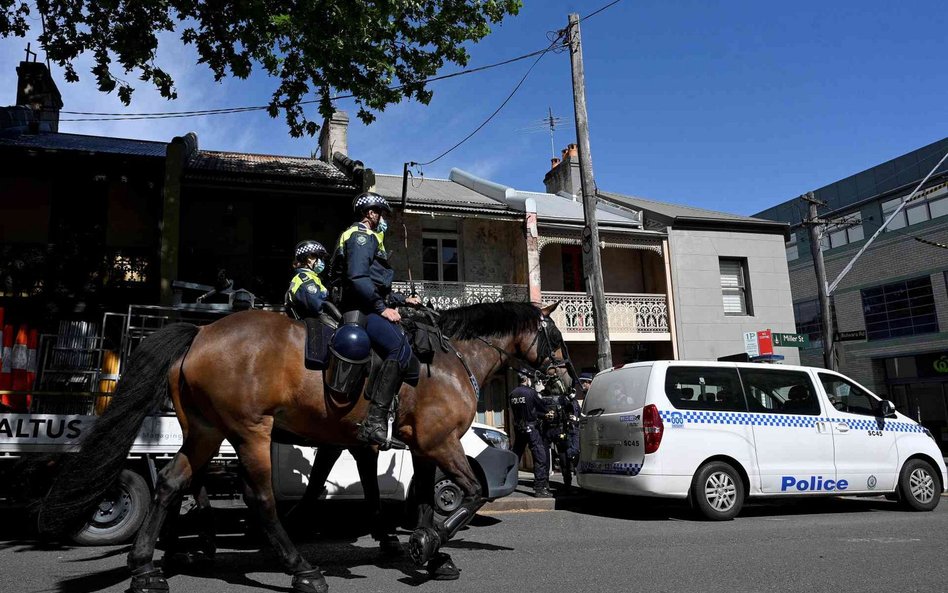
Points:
(548, 309)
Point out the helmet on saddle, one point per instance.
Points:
(368, 201)
(351, 353)
(307, 249)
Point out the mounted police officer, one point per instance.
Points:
(306, 294)
(528, 408)
(360, 269)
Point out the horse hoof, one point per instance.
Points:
(310, 581)
(390, 546)
(441, 568)
(423, 544)
(149, 582)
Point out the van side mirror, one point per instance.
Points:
(886, 409)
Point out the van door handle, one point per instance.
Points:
(842, 427)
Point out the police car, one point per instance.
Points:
(717, 433)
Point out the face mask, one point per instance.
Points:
(319, 266)
(383, 225)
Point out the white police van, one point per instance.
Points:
(718, 432)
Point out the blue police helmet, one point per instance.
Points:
(367, 201)
(352, 343)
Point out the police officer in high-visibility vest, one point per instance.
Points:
(360, 268)
(307, 293)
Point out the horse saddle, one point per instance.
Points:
(319, 333)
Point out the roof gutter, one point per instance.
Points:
(699, 223)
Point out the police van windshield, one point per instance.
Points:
(622, 390)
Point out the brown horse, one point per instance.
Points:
(243, 379)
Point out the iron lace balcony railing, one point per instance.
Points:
(449, 295)
(628, 313)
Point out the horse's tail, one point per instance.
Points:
(90, 472)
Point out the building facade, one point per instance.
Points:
(890, 311)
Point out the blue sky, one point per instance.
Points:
(731, 106)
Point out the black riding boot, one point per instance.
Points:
(374, 430)
(541, 489)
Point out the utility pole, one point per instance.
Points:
(592, 259)
(813, 222)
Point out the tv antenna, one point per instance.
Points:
(550, 123)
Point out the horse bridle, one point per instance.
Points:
(546, 361)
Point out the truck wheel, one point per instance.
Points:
(119, 515)
(717, 491)
(919, 488)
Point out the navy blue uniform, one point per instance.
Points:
(527, 407)
(360, 266)
(306, 293)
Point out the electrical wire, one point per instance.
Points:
(113, 116)
(496, 111)
(104, 116)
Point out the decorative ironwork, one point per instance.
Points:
(448, 295)
(608, 239)
(628, 313)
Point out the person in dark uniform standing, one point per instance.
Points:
(361, 270)
(527, 408)
(307, 293)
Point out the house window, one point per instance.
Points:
(793, 250)
(809, 321)
(734, 286)
(899, 309)
(440, 259)
(927, 204)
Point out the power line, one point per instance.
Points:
(496, 111)
(106, 116)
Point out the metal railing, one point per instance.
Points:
(628, 313)
(449, 295)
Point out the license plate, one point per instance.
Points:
(604, 452)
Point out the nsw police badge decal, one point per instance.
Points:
(361, 240)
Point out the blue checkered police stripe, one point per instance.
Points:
(607, 467)
(676, 417)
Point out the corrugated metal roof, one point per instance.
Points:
(301, 169)
(674, 210)
(88, 144)
(443, 192)
(560, 208)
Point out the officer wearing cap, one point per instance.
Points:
(306, 294)
(361, 270)
(527, 408)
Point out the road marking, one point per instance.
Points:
(881, 540)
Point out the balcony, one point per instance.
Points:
(449, 295)
(632, 317)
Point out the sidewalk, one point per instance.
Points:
(522, 498)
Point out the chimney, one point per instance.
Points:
(564, 174)
(334, 136)
(35, 89)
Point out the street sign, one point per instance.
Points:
(750, 344)
(765, 343)
(792, 340)
(859, 334)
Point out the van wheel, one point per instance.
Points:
(919, 489)
(717, 491)
(119, 515)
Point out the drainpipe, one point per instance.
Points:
(533, 251)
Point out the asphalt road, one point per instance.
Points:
(597, 544)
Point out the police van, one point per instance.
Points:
(717, 433)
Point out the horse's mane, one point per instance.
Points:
(489, 319)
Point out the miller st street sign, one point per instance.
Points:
(791, 340)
